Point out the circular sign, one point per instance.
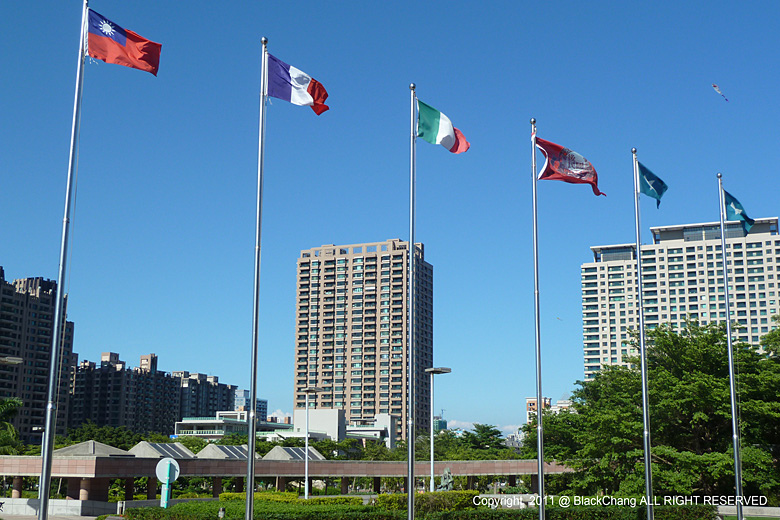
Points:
(167, 470)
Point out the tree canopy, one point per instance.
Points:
(690, 420)
(9, 437)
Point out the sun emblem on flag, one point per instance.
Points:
(106, 27)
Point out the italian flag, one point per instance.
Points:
(436, 128)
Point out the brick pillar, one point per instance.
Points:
(216, 486)
(151, 488)
(129, 489)
(512, 480)
(86, 484)
(281, 483)
(377, 484)
(471, 482)
(534, 483)
(239, 484)
(74, 484)
(17, 488)
(344, 485)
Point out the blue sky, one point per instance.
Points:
(163, 231)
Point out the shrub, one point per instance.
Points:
(262, 496)
(429, 502)
(326, 500)
(695, 512)
(688, 512)
(267, 510)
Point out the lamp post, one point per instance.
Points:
(433, 371)
(308, 390)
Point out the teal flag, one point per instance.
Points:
(650, 184)
(735, 211)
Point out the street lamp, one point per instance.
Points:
(308, 390)
(433, 371)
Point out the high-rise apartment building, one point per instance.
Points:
(203, 395)
(682, 277)
(242, 404)
(352, 330)
(141, 399)
(26, 329)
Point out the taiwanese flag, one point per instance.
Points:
(562, 164)
(113, 44)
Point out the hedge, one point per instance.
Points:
(393, 507)
(275, 496)
(265, 510)
(429, 502)
(692, 512)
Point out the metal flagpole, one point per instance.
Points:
(539, 398)
(59, 310)
(432, 476)
(732, 388)
(252, 415)
(411, 370)
(642, 351)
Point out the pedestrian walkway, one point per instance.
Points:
(50, 517)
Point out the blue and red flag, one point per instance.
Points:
(111, 43)
(293, 85)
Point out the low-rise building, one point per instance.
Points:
(224, 423)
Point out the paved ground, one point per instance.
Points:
(3, 516)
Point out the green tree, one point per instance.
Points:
(9, 437)
(234, 439)
(118, 437)
(690, 420)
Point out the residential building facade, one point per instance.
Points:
(242, 400)
(352, 331)
(203, 395)
(26, 329)
(142, 399)
(682, 277)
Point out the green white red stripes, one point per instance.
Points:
(436, 128)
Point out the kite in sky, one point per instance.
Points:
(718, 91)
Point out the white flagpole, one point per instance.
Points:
(252, 412)
(49, 431)
(539, 398)
(411, 370)
(732, 389)
(642, 351)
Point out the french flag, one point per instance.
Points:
(294, 85)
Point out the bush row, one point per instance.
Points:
(692, 512)
(436, 506)
(429, 502)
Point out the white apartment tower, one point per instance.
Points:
(682, 276)
(352, 331)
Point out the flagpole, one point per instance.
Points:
(411, 371)
(642, 351)
(252, 412)
(732, 388)
(539, 398)
(59, 309)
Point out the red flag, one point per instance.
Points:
(562, 164)
(113, 44)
